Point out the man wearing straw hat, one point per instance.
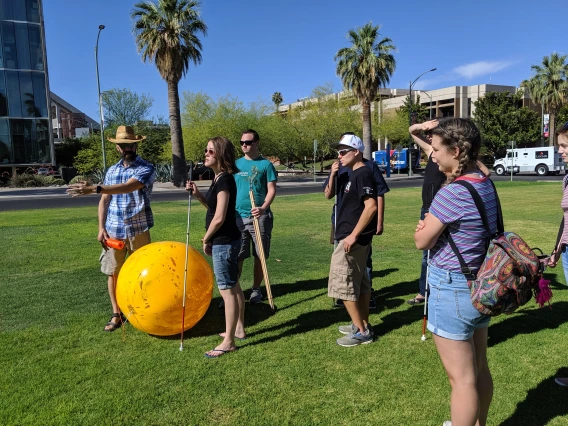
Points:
(124, 209)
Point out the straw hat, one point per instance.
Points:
(125, 134)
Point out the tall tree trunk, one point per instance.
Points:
(552, 128)
(367, 139)
(178, 152)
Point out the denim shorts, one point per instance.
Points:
(450, 312)
(225, 264)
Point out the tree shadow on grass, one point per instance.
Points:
(306, 322)
(543, 403)
(528, 322)
(305, 285)
(384, 272)
(389, 297)
(398, 319)
(213, 322)
(321, 319)
(555, 285)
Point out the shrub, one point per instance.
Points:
(34, 181)
(78, 179)
(57, 182)
(163, 172)
(27, 181)
(98, 176)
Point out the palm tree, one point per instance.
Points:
(277, 99)
(166, 33)
(363, 67)
(549, 86)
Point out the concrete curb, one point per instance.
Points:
(7, 194)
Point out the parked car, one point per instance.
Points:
(200, 172)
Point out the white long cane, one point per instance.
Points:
(335, 212)
(186, 254)
(425, 298)
(423, 338)
(335, 242)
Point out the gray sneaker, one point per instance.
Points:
(255, 296)
(348, 329)
(351, 329)
(355, 339)
(447, 423)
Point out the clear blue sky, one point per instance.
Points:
(254, 48)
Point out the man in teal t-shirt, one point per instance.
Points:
(260, 171)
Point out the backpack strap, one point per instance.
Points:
(466, 270)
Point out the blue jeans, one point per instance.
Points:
(565, 262)
(423, 271)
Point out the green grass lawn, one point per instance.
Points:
(58, 366)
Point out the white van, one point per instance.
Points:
(542, 160)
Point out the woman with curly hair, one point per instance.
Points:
(222, 238)
(460, 331)
(561, 249)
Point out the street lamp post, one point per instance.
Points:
(101, 27)
(429, 96)
(410, 118)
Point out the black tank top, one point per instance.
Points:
(433, 180)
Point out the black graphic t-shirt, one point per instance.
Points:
(228, 231)
(359, 187)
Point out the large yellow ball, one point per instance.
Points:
(149, 290)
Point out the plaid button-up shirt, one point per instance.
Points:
(130, 214)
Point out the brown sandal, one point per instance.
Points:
(113, 325)
(416, 301)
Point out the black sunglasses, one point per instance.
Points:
(343, 152)
(210, 151)
(247, 143)
(126, 145)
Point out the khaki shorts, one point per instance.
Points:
(347, 274)
(112, 260)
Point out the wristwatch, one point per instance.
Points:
(99, 189)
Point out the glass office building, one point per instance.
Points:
(25, 136)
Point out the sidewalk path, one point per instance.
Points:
(7, 194)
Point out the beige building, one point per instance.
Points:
(454, 101)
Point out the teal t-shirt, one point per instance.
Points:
(265, 173)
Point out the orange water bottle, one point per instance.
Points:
(115, 244)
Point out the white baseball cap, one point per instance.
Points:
(350, 141)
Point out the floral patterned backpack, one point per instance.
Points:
(511, 271)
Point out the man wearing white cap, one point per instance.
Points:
(356, 225)
(334, 186)
(124, 210)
